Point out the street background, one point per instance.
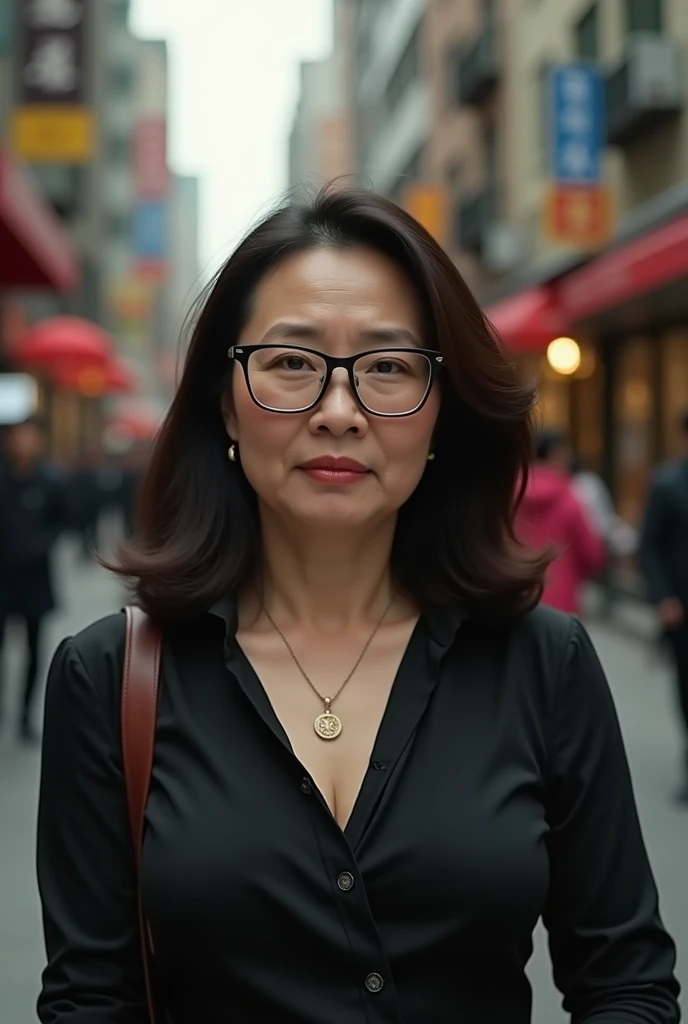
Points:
(645, 703)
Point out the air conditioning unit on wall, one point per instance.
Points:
(645, 87)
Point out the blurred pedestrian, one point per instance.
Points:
(84, 501)
(551, 513)
(377, 762)
(664, 557)
(33, 513)
(595, 497)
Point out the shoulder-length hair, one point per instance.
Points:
(198, 535)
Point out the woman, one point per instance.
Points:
(551, 513)
(376, 764)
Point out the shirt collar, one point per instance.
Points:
(443, 621)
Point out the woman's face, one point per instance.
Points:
(340, 302)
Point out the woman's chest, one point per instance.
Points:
(448, 821)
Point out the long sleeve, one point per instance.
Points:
(656, 533)
(86, 867)
(613, 960)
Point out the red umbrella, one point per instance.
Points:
(64, 339)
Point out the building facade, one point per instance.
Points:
(625, 306)
(321, 139)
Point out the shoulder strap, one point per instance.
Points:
(140, 686)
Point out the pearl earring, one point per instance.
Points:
(232, 453)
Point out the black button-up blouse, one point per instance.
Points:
(497, 792)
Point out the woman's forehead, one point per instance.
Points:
(357, 283)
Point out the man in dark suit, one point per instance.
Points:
(33, 513)
(664, 555)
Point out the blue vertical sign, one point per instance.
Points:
(577, 137)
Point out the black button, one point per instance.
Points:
(345, 881)
(379, 766)
(374, 982)
(306, 787)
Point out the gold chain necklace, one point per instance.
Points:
(327, 726)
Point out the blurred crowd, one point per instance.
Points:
(40, 503)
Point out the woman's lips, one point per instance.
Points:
(333, 470)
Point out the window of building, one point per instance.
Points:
(406, 72)
(413, 171)
(544, 105)
(122, 79)
(490, 154)
(587, 29)
(118, 149)
(633, 425)
(118, 226)
(644, 16)
(454, 175)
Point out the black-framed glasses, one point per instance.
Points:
(291, 378)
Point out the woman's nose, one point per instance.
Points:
(338, 410)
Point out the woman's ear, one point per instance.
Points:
(228, 414)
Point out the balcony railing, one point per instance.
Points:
(479, 67)
(645, 87)
(473, 217)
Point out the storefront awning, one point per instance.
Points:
(527, 322)
(35, 250)
(635, 269)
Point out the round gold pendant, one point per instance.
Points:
(328, 726)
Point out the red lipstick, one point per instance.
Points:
(332, 469)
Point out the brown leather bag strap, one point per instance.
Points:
(140, 687)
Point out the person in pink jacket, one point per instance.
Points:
(551, 513)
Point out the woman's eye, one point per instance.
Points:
(386, 366)
(294, 363)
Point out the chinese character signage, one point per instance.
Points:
(577, 208)
(150, 158)
(577, 99)
(53, 120)
(150, 239)
(428, 204)
(579, 215)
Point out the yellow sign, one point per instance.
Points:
(428, 204)
(54, 134)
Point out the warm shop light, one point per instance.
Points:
(564, 355)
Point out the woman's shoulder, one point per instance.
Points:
(102, 641)
(540, 647)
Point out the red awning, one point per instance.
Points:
(528, 321)
(631, 270)
(35, 250)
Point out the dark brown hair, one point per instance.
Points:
(198, 529)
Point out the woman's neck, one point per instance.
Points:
(326, 581)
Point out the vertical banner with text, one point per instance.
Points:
(577, 207)
(151, 176)
(53, 118)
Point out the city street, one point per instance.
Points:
(643, 697)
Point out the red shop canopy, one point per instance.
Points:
(624, 273)
(35, 250)
(527, 322)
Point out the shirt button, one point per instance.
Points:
(345, 881)
(306, 787)
(374, 982)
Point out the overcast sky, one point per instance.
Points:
(233, 91)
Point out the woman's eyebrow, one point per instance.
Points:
(391, 334)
